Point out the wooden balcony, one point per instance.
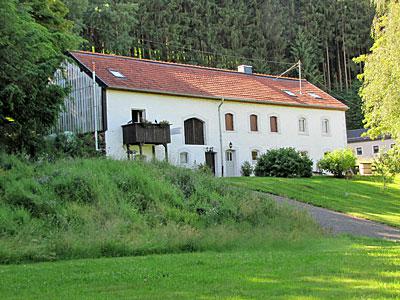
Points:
(144, 133)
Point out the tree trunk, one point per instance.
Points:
(324, 72)
(328, 69)
(346, 80)
(339, 65)
(349, 70)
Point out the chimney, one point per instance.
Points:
(245, 69)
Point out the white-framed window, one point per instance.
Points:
(375, 148)
(302, 125)
(183, 158)
(138, 115)
(254, 155)
(359, 151)
(325, 126)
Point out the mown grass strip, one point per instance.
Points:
(361, 197)
(335, 268)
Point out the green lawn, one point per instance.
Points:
(336, 268)
(362, 196)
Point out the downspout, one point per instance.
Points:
(220, 137)
(95, 108)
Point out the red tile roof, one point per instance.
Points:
(171, 78)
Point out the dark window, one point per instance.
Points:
(253, 123)
(229, 122)
(273, 121)
(229, 155)
(359, 151)
(137, 116)
(376, 149)
(325, 126)
(254, 155)
(302, 125)
(194, 132)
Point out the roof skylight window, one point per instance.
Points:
(314, 95)
(290, 93)
(117, 74)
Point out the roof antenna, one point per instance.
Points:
(298, 64)
(300, 75)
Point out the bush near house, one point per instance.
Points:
(66, 145)
(78, 208)
(246, 169)
(283, 162)
(338, 162)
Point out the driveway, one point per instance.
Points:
(337, 223)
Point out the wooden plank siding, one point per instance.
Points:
(137, 133)
(78, 112)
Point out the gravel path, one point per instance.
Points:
(336, 222)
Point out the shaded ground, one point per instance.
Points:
(341, 223)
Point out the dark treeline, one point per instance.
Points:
(268, 34)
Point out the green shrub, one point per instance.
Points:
(203, 168)
(338, 162)
(246, 169)
(66, 145)
(387, 165)
(283, 162)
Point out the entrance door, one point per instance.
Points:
(230, 163)
(210, 160)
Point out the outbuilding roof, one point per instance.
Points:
(356, 135)
(127, 73)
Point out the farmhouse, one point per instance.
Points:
(194, 115)
(367, 149)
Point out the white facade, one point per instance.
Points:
(176, 109)
(367, 150)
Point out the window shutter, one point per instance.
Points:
(194, 132)
(229, 122)
(273, 124)
(198, 132)
(253, 123)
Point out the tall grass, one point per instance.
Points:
(98, 207)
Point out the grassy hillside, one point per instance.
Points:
(335, 268)
(96, 207)
(361, 197)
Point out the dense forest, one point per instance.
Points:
(271, 35)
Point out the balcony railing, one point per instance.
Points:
(146, 133)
